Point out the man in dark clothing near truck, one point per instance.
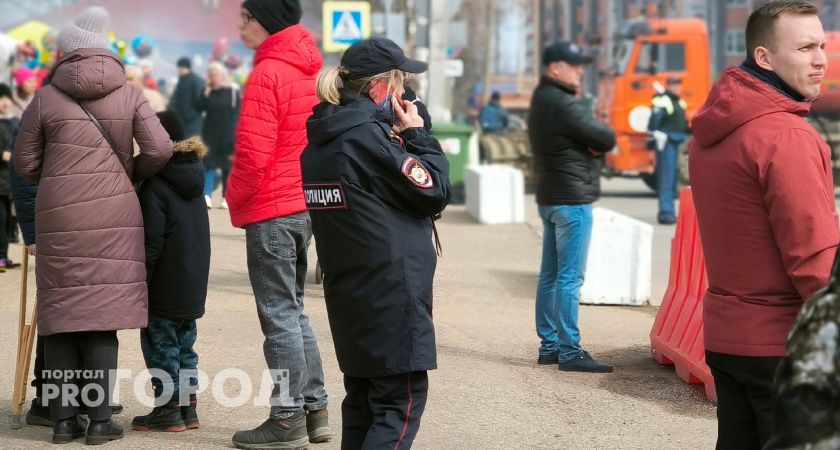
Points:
(762, 185)
(567, 143)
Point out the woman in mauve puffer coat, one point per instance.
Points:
(90, 270)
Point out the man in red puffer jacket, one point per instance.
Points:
(265, 197)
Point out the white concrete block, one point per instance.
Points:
(618, 268)
(495, 193)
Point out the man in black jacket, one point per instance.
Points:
(567, 143)
(190, 88)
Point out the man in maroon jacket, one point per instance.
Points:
(763, 189)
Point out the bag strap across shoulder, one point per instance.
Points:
(104, 134)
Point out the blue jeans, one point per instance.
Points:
(277, 268)
(210, 181)
(666, 175)
(168, 345)
(567, 230)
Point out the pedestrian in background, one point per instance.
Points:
(493, 117)
(190, 87)
(8, 128)
(670, 129)
(221, 103)
(94, 283)
(568, 144)
(266, 199)
(762, 185)
(177, 237)
(134, 75)
(26, 84)
(374, 180)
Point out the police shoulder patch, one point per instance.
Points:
(324, 196)
(416, 173)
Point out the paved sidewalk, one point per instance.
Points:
(487, 392)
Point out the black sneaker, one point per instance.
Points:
(275, 433)
(101, 432)
(585, 363)
(39, 415)
(64, 431)
(163, 418)
(190, 415)
(545, 360)
(318, 426)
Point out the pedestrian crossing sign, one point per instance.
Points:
(345, 23)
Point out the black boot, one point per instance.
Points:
(66, 430)
(100, 432)
(39, 415)
(189, 414)
(275, 433)
(163, 418)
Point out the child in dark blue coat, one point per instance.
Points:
(177, 233)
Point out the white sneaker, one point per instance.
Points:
(224, 204)
(209, 202)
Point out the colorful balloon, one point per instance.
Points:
(143, 46)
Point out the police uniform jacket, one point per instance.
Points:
(372, 196)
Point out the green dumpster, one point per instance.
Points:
(455, 140)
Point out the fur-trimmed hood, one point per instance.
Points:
(193, 144)
(184, 173)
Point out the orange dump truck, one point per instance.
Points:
(647, 53)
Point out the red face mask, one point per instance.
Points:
(381, 94)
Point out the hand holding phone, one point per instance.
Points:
(407, 116)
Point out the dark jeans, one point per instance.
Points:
(98, 352)
(277, 268)
(744, 387)
(5, 220)
(168, 346)
(382, 412)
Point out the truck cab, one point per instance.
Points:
(646, 54)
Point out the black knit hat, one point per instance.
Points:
(184, 62)
(172, 124)
(5, 90)
(274, 15)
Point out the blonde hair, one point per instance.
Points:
(332, 81)
(219, 68)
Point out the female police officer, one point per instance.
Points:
(373, 179)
